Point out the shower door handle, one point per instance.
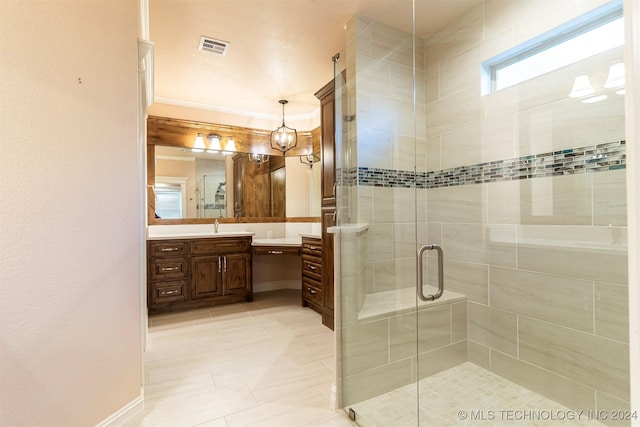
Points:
(438, 294)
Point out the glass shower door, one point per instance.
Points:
(378, 144)
(523, 188)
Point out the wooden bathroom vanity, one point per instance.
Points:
(185, 273)
(191, 271)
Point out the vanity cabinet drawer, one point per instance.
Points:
(169, 268)
(312, 247)
(220, 245)
(312, 273)
(312, 269)
(311, 295)
(168, 291)
(168, 249)
(276, 250)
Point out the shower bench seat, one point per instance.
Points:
(400, 301)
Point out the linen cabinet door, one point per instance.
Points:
(206, 278)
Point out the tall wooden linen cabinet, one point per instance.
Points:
(328, 197)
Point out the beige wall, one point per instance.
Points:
(71, 224)
(299, 178)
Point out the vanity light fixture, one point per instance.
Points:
(581, 87)
(284, 138)
(214, 143)
(230, 147)
(616, 76)
(198, 145)
(309, 159)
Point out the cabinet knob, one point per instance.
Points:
(163, 293)
(311, 267)
(169, 249)
(311, 291)
(276, 252)
(169, 269)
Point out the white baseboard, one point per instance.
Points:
(129, 410)
(277, 284)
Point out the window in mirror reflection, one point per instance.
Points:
(170, 199)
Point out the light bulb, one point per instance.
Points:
(198, 145)
(214, 143)
(231, 145)
(581, 87)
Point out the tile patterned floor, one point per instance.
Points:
(266, 363)
(271, 363)
(467, 395)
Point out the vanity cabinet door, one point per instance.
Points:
(327, 146)
(236, 271)
(206, 278)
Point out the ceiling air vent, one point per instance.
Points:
(209, 44)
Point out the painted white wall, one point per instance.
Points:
(70, 222)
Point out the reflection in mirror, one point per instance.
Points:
(202, 189)
(214, 185)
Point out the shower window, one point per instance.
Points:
(583, 37)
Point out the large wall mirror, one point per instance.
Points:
(245, 185)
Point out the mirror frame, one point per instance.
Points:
(182, 134)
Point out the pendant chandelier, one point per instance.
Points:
(284, 138)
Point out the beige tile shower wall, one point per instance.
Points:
(391, 134)
(542, 261)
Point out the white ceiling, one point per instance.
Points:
(279, 49)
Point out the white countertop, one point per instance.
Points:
(284, 241)
(205, 235)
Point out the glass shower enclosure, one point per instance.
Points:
(512, 199)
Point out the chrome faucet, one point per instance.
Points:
(215, 225)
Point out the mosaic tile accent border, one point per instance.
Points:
(593, 158)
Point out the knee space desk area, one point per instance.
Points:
(290, 263)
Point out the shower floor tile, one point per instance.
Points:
(466, 395)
